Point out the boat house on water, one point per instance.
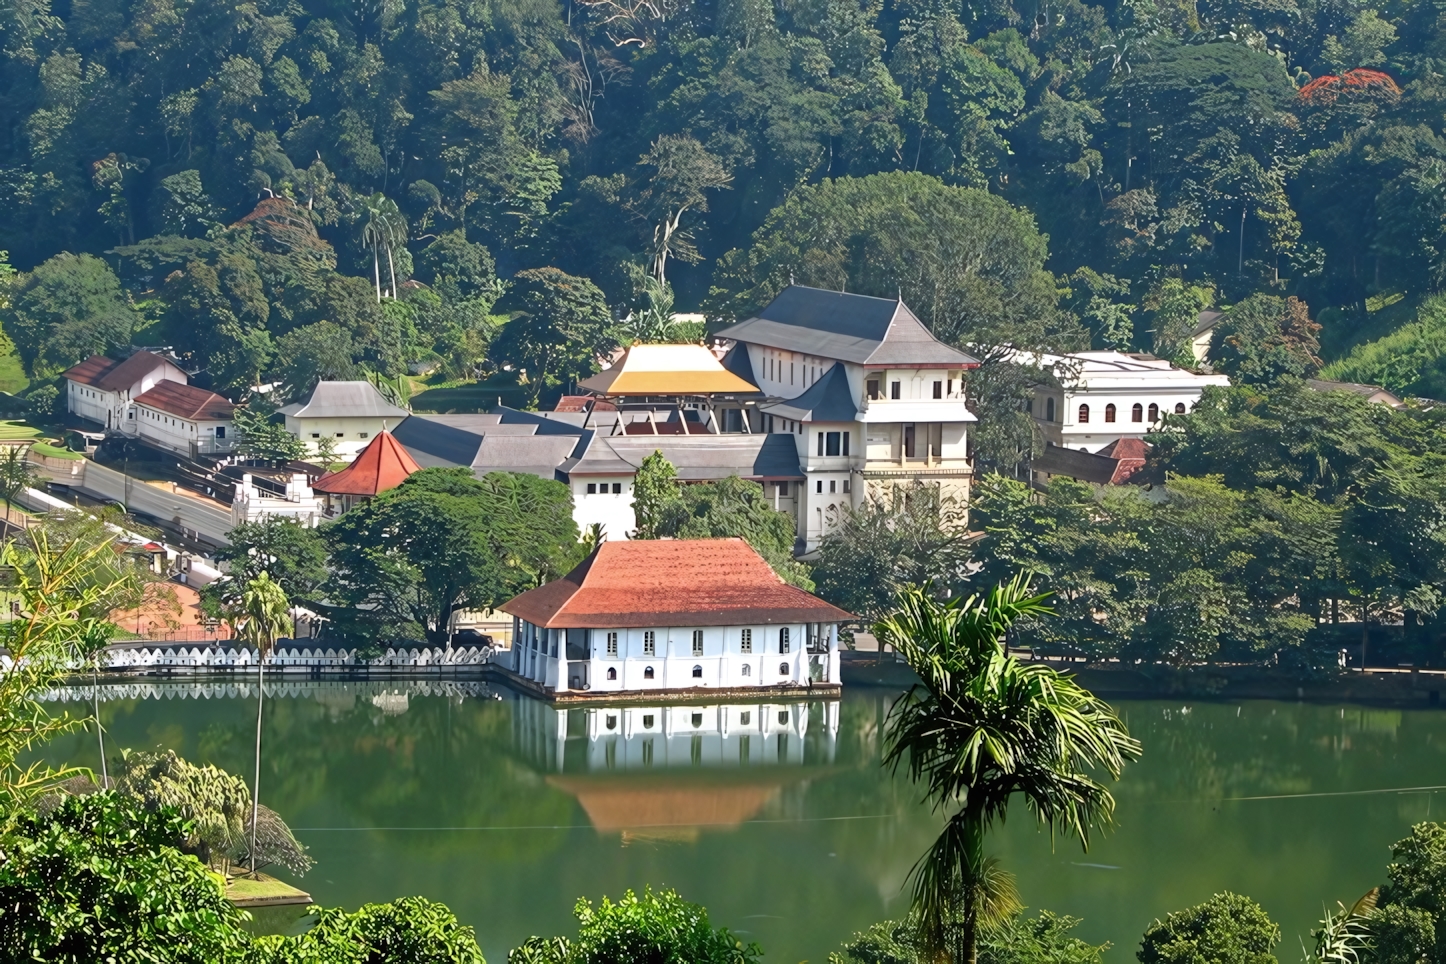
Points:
(676, 618)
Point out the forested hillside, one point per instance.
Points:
(256, 184)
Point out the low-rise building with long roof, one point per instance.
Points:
(351, 413)
(184, 419)
(673, 617)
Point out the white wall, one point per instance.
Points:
(176, 434)
(351, 434)
(612, 510)
(1068, 431)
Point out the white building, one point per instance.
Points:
(184, 419)
(103, 389)
(1104, 396)
(352, 413)
(258, 499)
(677, 617)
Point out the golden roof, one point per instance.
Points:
(667, 370)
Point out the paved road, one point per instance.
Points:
(211, 523)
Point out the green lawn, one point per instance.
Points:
(467, 398)
(242, 889)
(12, 375)
(54, 451)
(17, 429)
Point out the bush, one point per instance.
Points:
(99, 878)
(1044, 939)
(1226, 929)
(1410, 923)
(412, 930)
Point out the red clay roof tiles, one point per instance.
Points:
(382, 465)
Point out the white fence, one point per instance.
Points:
(167, 658)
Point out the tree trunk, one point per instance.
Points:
(1365, 636)
(391, 270)
(5, 526)
(99, 730)
(256, 784)
(377, 273)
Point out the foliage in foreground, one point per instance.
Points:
(1226, 929)
(656, 928)
(1045, 939)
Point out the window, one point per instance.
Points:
(1154, 413)
(790, 373)
(341, 435)
(697, 672)
(820, 442)
(846, 442)
(938, 389)
(697, 643)
(1049, 410)
(362, 434)
(612, 644)
(612, 720)
(316, 435)
(873, 390)
(832, 486)
(747, 670)
(648, 721)
(612, 675)
(783, 490)
(617, 488)
(650, 645)
(1110, 412)
(1179, 408)
(783, 640)
(782, 669)
(697, 720)
(783, 717)
(592, 488)
(648, 672)
(1084, 414)
(833, 443)
(820, 487)
(745, 642)
(895, 389)
(909, 446)
(1137, 413)
(220, 431)
(846, 485)
(745, 718)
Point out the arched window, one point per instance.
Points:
(747, 670)
(782, 669)
(612, 672)
(1110, 412)
(1049, 410)
(648, 673)
(783, 640)
(1084, 414)
(1179, 408)
(697, 672)
(1154, 413)
(1137, 413)
(612, 722)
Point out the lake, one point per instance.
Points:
(778, 817)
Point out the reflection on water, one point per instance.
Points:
(777, 816)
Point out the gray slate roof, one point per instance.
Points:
(878, 332)
(344, 400)
(698, 458)
(827, 400)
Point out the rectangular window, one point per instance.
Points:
(617, 488)
(220, 431)
(341, 435)
(938, 389)
(846, 442)
(362, 434)
(745, 642)
(909, 441)
(832, 486)
(830, 442)
(873, 388)
(697, 642)
(783, 490)
(612, 644)
(790, 373)
(820, 441)
(316, 435)
(650, 643)
(820, 486)
(783, 640)
(895, 390)
(846, 485)
(592, 488)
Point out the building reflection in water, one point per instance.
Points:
(666, 773)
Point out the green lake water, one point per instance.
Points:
(778, 817)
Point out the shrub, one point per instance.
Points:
(1226, 929)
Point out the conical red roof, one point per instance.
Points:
(382, 465)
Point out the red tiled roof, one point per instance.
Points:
(1129, 455)
(89, 371)
(111, 375)
(382, 465)
(186, 401)
(671, 582)
(579, 403)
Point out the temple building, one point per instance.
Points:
(675, 618)
(382, 465)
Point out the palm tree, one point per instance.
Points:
(260, 615)
(385, 227)
(979, 728)
(16, 474)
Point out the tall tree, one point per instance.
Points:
(979, 728)
(682, 173)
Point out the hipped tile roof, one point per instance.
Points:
(110, 375)
(671, 582)
(187, 401)
(382, 465)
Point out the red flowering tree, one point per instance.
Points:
(1353, 85)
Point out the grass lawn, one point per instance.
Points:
(54, 451)
(17, 429)
(12, 375)
(242, 890)
(467, 397)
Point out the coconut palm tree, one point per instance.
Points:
(260, 615)
(978, 728)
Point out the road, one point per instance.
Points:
(210, 523)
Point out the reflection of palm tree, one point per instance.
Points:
(260, 616)
(979, 728)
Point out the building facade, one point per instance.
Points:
(673, 616)
(350, 413)
(1100, 397)
(103, 390)
(184, 419)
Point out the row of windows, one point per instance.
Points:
(873, 388)
(833, 443)
(745, 718)
(1137, 412)
(783, 670)
(602, 488)
(342, 434)
(832, 486)
(745, 642)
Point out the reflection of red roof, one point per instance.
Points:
(186, 401)
(671, 582)
(382, 465)
(621, 805)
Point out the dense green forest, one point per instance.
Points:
(260, 184)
